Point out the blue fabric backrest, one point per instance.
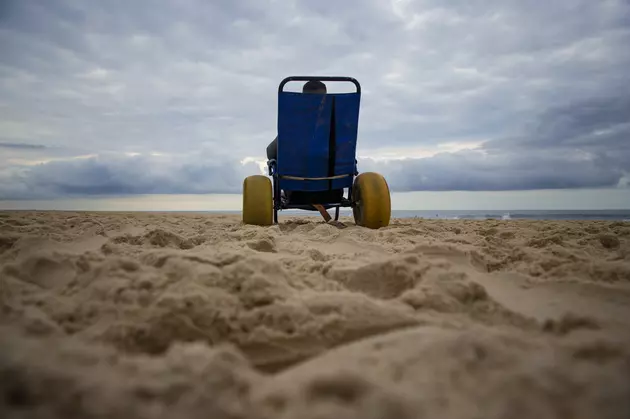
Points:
(306, 123)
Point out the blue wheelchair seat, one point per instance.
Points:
(316, 148)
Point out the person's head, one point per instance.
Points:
(314, 86)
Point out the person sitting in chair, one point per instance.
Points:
(313, 86)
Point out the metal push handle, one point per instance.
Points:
(322, 78)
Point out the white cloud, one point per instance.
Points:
(96, 74)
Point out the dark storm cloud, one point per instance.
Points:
(20, 146)
(544, 85)
(476, 171)
(125, 175)
(579, 145)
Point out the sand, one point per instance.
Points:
(153, 315)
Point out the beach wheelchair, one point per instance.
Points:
(316, 162)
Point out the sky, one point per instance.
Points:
(462, 101)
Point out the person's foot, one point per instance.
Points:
(337, 224)
(322, 211)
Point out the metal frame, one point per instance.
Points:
(281, 203)
(322, 78)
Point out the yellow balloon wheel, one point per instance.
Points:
(370, 194)
(257, 201)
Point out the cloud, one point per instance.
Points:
(541, 89)
(579, 145)
(478, 171)
(21, 146)
(125, 175)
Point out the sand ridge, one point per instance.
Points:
(195, 315)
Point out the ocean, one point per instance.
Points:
(612, 215)
(606, 215)
(221, 204)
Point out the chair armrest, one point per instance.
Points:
(271, 165)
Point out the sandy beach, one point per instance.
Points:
(190, 315)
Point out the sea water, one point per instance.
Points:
(610, 215)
